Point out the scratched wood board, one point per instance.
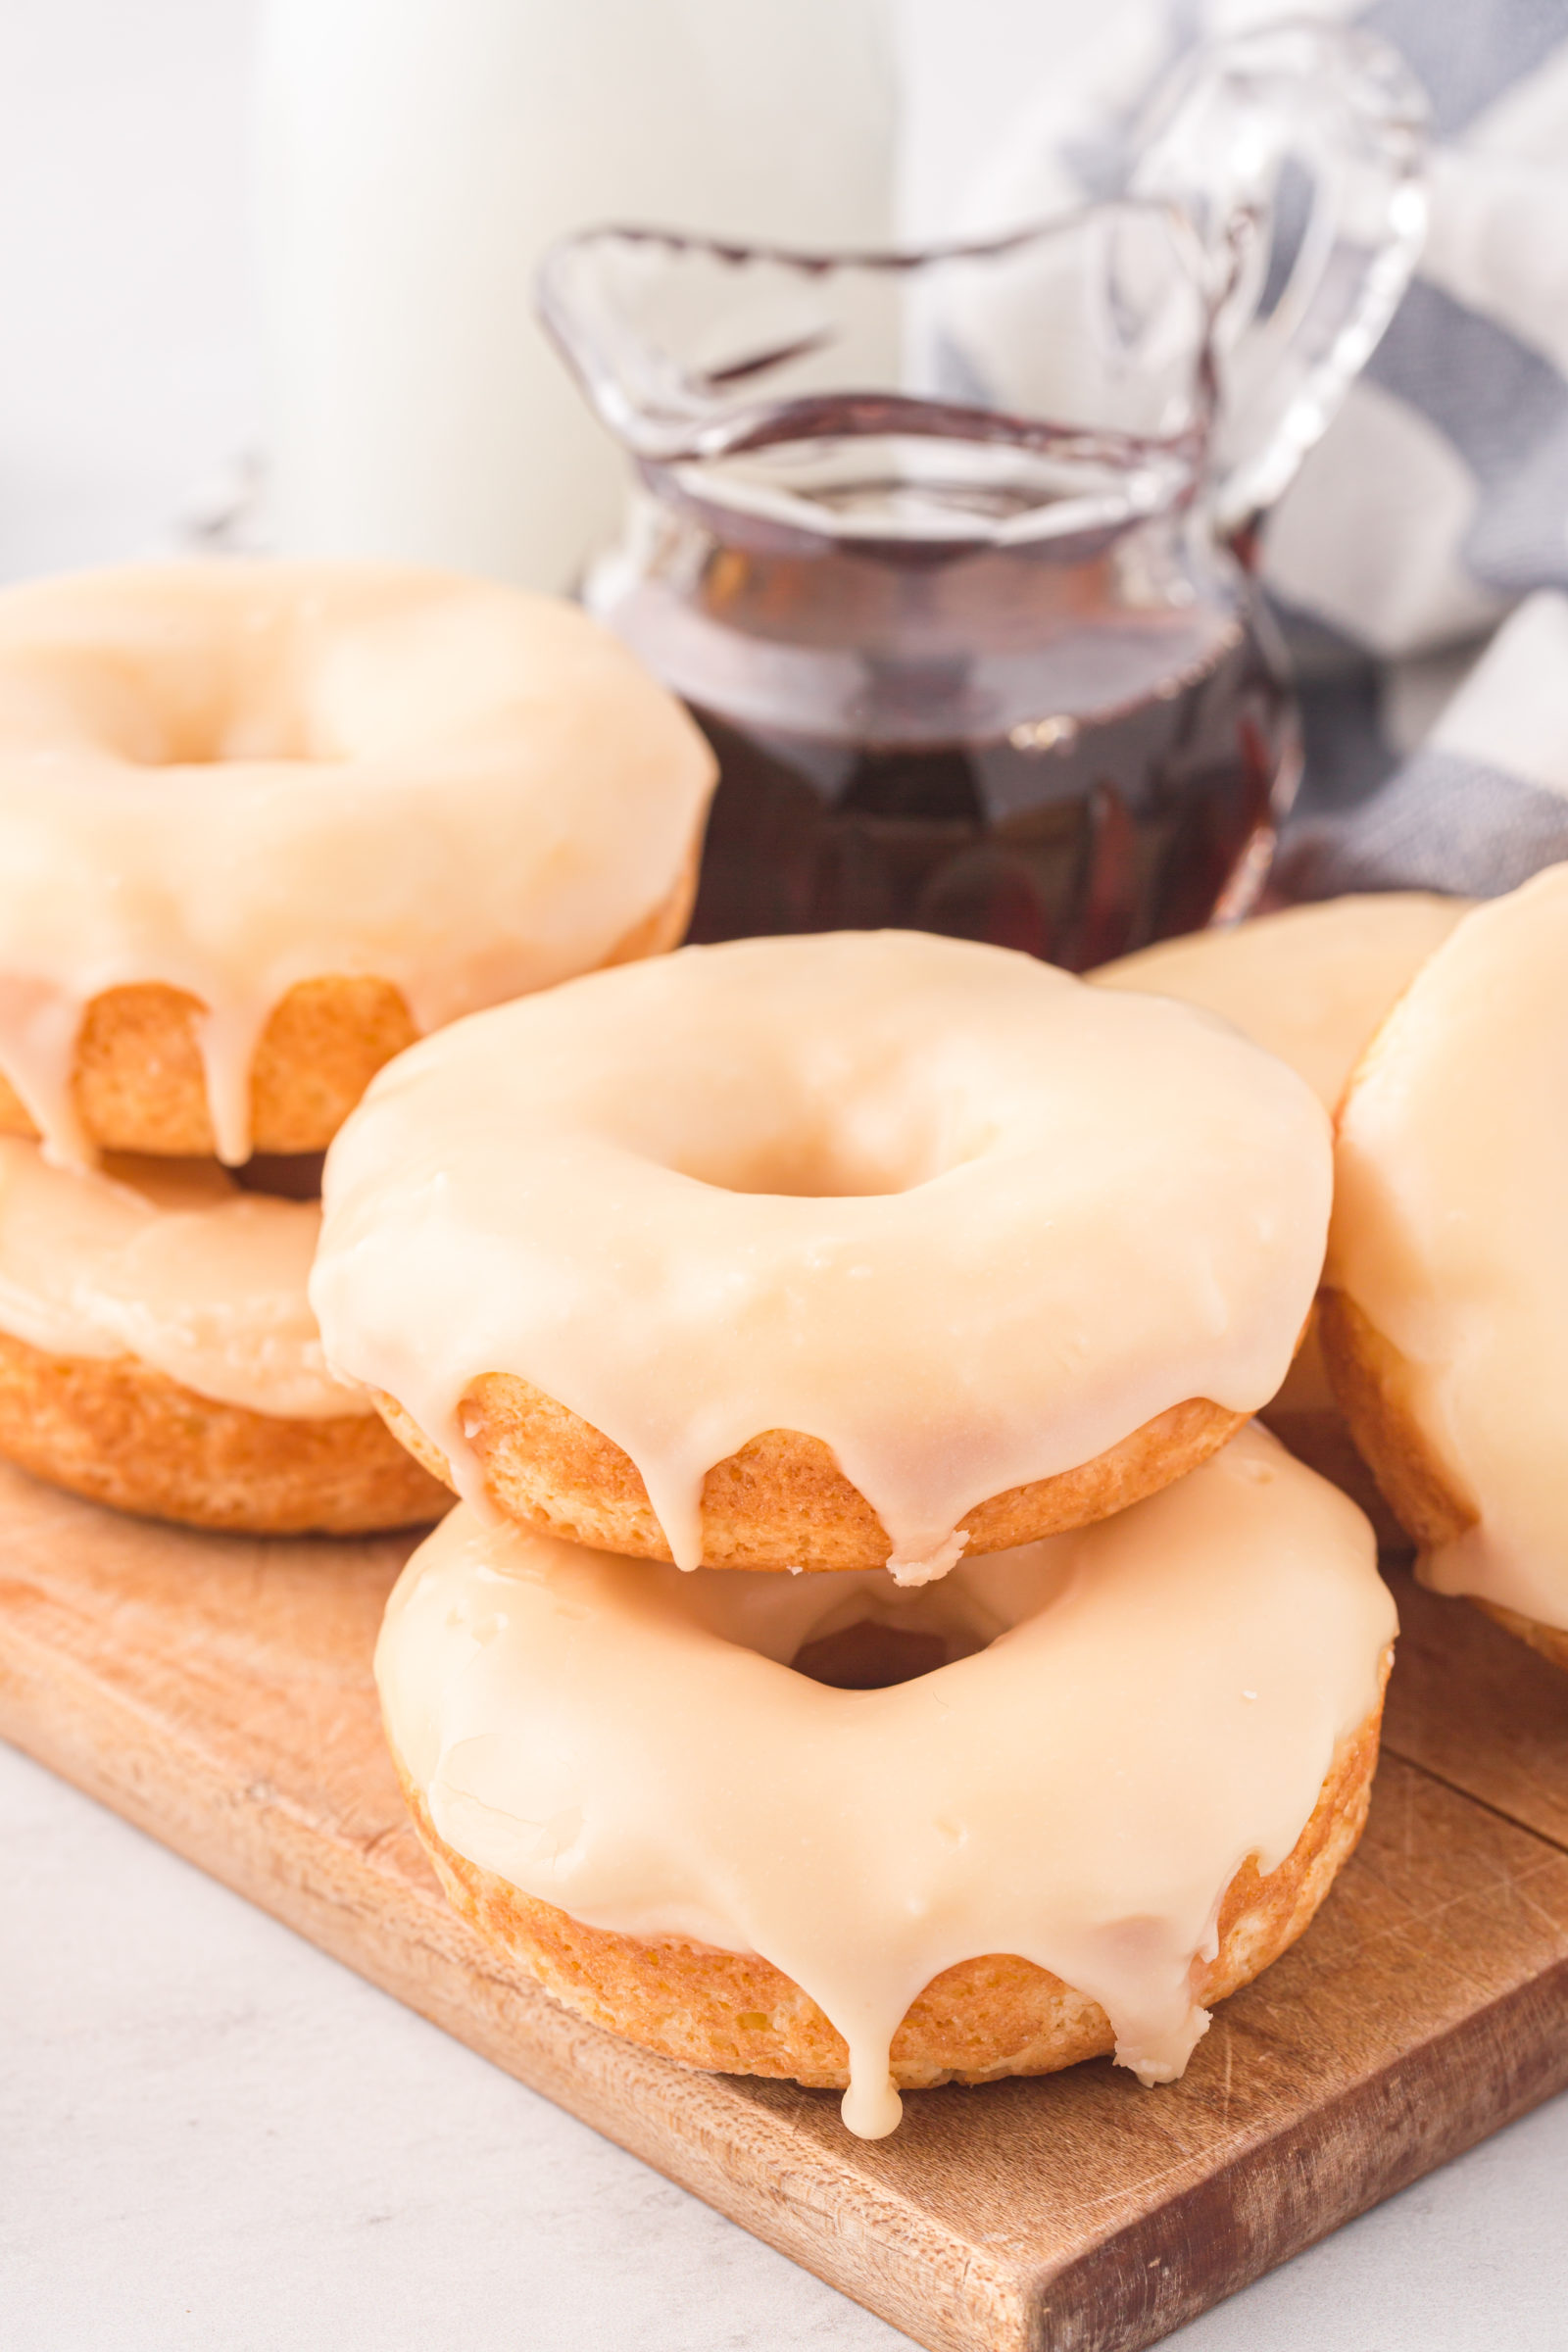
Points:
(218, 1693)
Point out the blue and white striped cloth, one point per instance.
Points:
(1420, 562)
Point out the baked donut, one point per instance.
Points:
(1445, 1311)
(262, 824)
(158, 1352)
(838, 1252)
(1062, 1841)
(1310, 983)
(1313, 984)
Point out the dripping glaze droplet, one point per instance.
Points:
(869, 2112)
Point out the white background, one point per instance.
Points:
(211, 2137)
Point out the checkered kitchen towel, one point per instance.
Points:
(1481, 805)
(1437, 505)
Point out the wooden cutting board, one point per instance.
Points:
(217, 1692)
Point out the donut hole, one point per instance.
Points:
(212, 666)
(182, 712)
(263, 723)
(818, 1101)
(813, 1171)
(869, 1656)
(885, 1140)
(853, 1629)
(869, 1637)
(182, 694)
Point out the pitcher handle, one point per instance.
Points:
(1298, 152)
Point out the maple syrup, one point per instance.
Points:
(1076, 841)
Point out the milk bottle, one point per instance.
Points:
(417, 156)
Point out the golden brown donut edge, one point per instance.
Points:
(990, 2017)
(781, 1501)
(117, 1432)
(141, 1086)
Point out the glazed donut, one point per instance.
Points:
(1311, 984)
(263, 824)
(1446, 1307)
(822, 1252)
(158, 1352)
(1062, 1841)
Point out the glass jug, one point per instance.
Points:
(948, 551)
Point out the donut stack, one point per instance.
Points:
(260, 827)
(873, 1644)
(870, 1646)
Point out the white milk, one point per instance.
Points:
(417, 156)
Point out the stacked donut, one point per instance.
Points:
(260, 827)
(870, 1646)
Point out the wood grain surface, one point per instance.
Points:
(217, 1692)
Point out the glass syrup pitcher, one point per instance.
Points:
(946, 551)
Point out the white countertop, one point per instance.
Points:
(212, 2139)
(211, 2135)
